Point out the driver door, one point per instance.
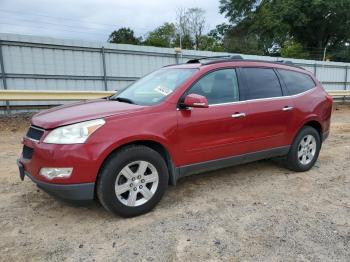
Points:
(217, 131)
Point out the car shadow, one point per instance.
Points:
(186, 188)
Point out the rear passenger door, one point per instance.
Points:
(270, 111)
(299, 86)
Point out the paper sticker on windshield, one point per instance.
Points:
(163, 90)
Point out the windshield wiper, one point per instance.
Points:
(123, 99)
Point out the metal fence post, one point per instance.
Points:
(315, 69)
(104, 67)
(345, 81)
(178, 52)
(176, 58)
(346, 77)
(3, 76)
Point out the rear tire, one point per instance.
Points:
(304, 150)
(132, 181)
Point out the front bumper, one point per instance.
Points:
(66, 192)
(85, 159)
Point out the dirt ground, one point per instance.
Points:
(255, 212)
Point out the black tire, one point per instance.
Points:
(112, 167)
(292, 162)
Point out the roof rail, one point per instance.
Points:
(226, 57)
(287, 62)
(290, 63)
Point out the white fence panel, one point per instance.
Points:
(41, 63)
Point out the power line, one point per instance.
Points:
(64, 18)
(54, 24)
(45, 28)
(50, 23)
(60, 27)
(102, 26)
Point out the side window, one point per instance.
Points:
(261, 83)
(296, 82)
(218, 87)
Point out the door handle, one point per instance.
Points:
(287, 108)
(238, 115)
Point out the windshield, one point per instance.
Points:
(154, 87)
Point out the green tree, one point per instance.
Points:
(190, 26)
(124, 36)
(188, 32)
(186, 41)
(314, 24)
(162, 36)
(293, 49)
(209, 43)
(219, 32)
(197, 23)
(340, 52)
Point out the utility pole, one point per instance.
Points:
(325, 52)
(180, 46)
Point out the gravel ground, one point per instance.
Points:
(254, 212)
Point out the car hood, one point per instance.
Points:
(81, 111)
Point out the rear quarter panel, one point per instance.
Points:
(314, 105)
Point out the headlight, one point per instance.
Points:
(73, 134)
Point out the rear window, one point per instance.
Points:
(296, 82)
(261, 83)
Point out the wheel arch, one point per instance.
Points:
(315, 124)
(312, 122)
(156, 146)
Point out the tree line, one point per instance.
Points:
(312, 29)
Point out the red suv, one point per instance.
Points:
(176, 121)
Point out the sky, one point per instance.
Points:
(95, 20)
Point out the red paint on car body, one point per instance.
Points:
(189, 136)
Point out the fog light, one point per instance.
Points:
(56, 172)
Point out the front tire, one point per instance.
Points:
(132, 181)
(304, 150)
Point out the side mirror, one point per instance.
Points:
(194, 100)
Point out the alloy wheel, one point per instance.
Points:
(136, 183)
(306, 149)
